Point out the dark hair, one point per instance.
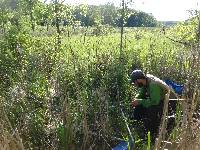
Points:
(137, 74)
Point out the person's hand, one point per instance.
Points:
(134, 103)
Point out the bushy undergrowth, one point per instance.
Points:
(68, 96)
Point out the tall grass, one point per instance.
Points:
(69, 98)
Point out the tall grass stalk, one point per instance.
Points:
(148, 141)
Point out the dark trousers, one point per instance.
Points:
(150, 118)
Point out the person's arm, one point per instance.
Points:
(140, 94)
(155, 96)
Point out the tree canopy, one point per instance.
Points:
(41, 13)
(141, 19)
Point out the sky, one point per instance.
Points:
(162, 10)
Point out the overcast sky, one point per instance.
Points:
(162, 10)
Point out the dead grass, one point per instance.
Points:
(188, 137)
(9, 138)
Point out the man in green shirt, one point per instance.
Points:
(148, 104)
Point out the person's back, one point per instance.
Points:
(159, 82)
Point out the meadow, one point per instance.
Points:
(67, 91)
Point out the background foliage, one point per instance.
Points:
(63, 77)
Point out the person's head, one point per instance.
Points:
(138, 78)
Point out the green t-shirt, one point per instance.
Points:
(153, 93)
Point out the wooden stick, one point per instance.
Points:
(169, 99)
(177, 99)
(163, 123)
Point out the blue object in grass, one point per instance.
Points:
(178, 89)
(123, 145)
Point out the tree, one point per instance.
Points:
(109, 13)
(141, 19)
(80, 14)
(3, 15)
(43, 14)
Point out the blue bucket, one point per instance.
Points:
(178, 89)
(123, 145)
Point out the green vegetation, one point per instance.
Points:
(61, 86)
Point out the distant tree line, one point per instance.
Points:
(110, 15)
(50, 14)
